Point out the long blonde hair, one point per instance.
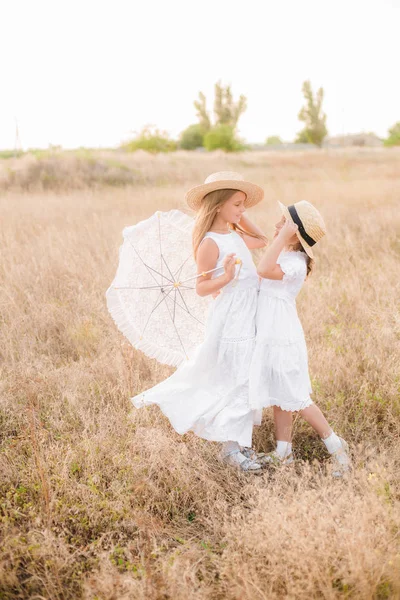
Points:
(207, 213)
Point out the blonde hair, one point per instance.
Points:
(310, 261)
(207, 213)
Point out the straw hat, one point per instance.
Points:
(309, 220)
(221, 181)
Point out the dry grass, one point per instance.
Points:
(100, 505)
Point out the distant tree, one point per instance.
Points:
(202, 114)
(227, 112)
(223, 137)
(192, 137)
(152, 140)
(302, 137)
(393, 138)
(273, 140)
(311, 114)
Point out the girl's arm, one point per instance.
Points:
(207, 256)
(268, 267)
(250, 241)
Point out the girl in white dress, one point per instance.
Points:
(279, 370)
(209, 394)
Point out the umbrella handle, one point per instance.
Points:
(203, 274)
(238, 261)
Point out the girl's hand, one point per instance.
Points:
(288, 230)
(229, 266)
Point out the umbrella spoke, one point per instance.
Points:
(183, 299)
(166, 294)
(173, 320)
(169, 270)
(177, 274)
(158, 273)
(150, 268)
(186, 310)
(150, 287)
(141, 260)
(157, 304)
(151, 312)
(176, 330)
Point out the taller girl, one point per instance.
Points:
(209, 394)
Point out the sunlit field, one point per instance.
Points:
(103, 501)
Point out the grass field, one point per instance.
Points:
(99, 501)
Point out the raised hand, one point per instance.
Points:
(229, 265)
(288, 230)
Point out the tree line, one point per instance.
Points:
(219, 129)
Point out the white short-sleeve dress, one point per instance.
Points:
(209, 394)
(279, 369)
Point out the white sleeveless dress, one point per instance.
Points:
(279, 369)
(209, 394)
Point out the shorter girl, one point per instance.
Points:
(279, 369)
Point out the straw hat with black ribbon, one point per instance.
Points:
(311, 226)
(223, 180)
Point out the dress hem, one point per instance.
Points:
(242, 441)
(278, 403)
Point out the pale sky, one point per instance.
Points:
(89, 72)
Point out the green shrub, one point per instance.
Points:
(393, 138)
(192, 137)
(10, 153)
(273, 140)
(152, 140)
(223, 137)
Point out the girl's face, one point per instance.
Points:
(231, 211)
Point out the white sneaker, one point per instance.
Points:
(341, 460)
(274, 459)
(239, 460)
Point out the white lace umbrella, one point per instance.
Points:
(152, 298)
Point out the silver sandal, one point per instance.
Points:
(249, 453)
(244, 465)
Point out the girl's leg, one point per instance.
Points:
(335, 445)
(314, 417)
(283, 424)
(283, 431)
(283, 434)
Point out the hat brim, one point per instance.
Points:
(254, 194)
(287, 214)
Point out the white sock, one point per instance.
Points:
(332, 443)
(283, 449)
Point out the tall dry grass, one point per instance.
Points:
(104, 503)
